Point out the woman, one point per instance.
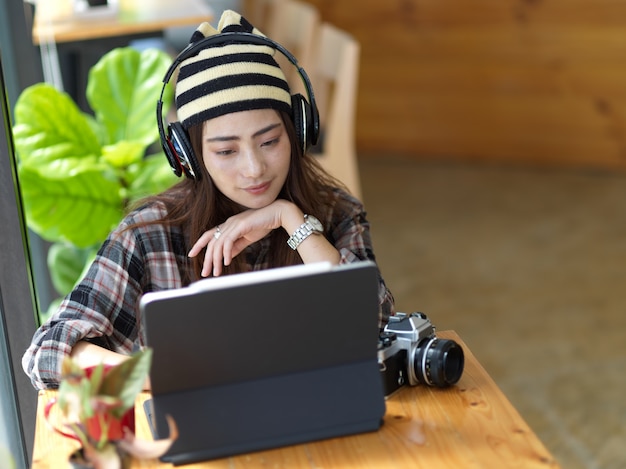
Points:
(252, 201)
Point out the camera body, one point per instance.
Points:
(409, 352)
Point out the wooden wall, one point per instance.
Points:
(521, 81)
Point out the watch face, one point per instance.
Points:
(315, 223)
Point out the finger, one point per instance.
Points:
(218, 259)
(212, 247)
(227, 251)
(237, 249)
(202, 242)
(207, 265)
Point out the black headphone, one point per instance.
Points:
(176, 143)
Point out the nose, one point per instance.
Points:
(253, 164)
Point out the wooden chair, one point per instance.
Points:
(334, 74)
(294, 24)
(330, 57)
(260, 12)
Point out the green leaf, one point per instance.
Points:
(77, 171)
(85, 392)
(95, 381)
(78, 430)
(126, 380)
(150, 176)
(123, 90)
(71, 386)
(49, 126)
(80, 208)
(98, 129)
(67, 264)
(123, 154)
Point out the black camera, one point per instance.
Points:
(409, 352)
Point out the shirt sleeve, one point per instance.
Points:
(103, 307)
(350, 234)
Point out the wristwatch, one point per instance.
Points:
(311, 225)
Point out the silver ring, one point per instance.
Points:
(217, 233)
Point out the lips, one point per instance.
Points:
(258, 189)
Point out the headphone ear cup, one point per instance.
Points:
(185, 157)
(302, 121)
(170, 153)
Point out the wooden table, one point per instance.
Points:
(55, 20)
(471, 424)
(72, 44)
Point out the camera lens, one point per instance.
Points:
(439, 362)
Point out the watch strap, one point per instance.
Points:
(302, 232)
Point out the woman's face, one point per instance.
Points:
(247, 154)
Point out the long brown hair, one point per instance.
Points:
(196, 205)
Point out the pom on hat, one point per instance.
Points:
(229, 77)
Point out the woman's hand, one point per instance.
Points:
(85, 354)
(231, 237)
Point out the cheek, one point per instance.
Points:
(219, 170)
(285, 157)
(214, 163)
(286, 166)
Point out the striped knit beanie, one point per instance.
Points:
(229, 77)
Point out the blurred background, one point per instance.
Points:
(490, 145)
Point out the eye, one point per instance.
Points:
(222, 150)
(271, 142)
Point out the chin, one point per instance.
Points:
(256, 202)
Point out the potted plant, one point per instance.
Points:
(97, 407)
(79, 173)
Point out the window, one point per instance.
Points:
(18, 406)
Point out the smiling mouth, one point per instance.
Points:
(259, 189)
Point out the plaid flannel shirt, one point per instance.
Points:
(104, 307)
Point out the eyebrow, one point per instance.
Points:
(227, 138)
